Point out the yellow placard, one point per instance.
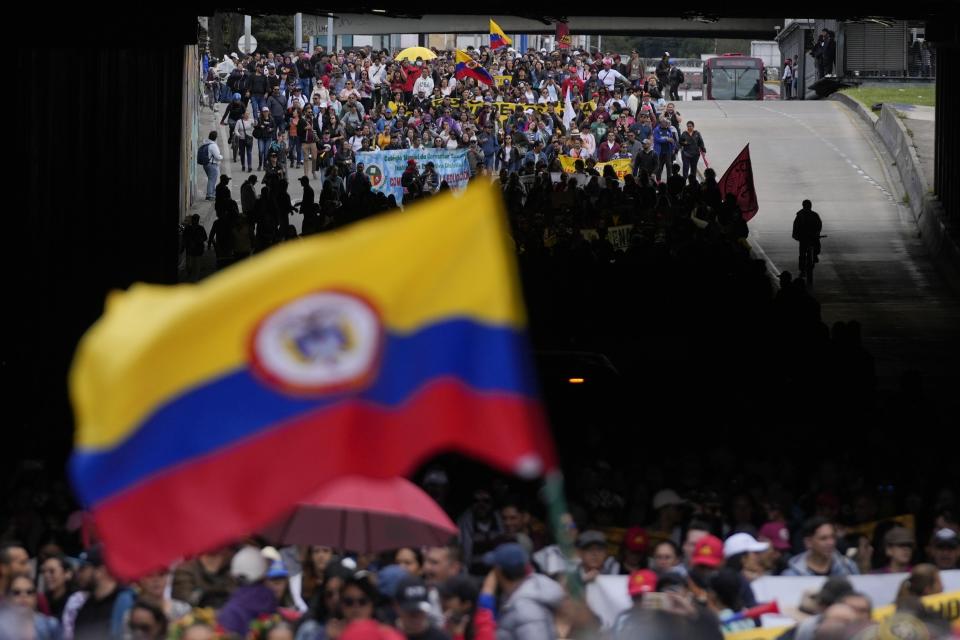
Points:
(622, 166)
(867, 528)
(945, 605)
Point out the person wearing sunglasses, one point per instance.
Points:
(358, 599)
(147, 622)
(22, 594)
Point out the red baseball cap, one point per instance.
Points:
(777, 533)
(708, 552)
(636, 540)
(641, 581)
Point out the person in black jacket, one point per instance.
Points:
(264, 131)
(305, 72)
(278, 108)
(691, 146)
(825, 52)
(663, 70)
(259, 90)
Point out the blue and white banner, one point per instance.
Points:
(384, 168)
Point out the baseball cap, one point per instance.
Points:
(410, 595)
(778, 535)
(743, 543)
(248, 563)
(510, 557)
(946, 539)
(898, 536)
(388, 578)
(590, 538)
(92, 557)
(636, 539)
(708, 552)
(641, 581)
(667, 498)
(277, 570)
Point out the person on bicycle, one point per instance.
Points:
(806, 229)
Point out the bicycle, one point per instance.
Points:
(807, 260)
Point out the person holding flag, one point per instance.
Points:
(497, 37)
(467, 67)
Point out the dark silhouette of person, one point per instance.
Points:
(806, 229)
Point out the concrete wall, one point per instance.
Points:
(927, 210)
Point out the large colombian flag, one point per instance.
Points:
(497, 37)
(206, 411)
(467, 66)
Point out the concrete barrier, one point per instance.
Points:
(925, 207)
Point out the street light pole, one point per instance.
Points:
(297, 31)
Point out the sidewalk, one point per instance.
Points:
(211, 122)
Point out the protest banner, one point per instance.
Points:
(507, 109)
(502, 80)
(385, 168)
(622, 166)
(607, 595)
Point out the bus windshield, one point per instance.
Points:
(735, 83)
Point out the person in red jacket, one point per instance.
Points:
(469, 615)
(573, 80)
(413, 72)
(608, 149)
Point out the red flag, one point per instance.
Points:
(563, 35)
(738, 180)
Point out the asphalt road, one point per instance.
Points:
(874, 267)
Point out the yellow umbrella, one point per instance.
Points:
(412, 53)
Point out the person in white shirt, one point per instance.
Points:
(212, 167)
(616, 99)
(787, 79)
(424, 82)
(609, 76)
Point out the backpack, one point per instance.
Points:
(203, 154)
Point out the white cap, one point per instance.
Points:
(742, 543)
(234, 55)
(249, 564)
(666, 498)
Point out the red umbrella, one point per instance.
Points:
(367, 516)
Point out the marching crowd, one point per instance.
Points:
(690, 531)
(688, 567)
(317, 111)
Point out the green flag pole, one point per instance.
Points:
(556, 510)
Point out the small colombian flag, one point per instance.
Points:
(205, 412)
(497, 37)
(467, 66)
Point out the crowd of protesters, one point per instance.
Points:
(689, 561)
(674, 307)
(316, 111)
